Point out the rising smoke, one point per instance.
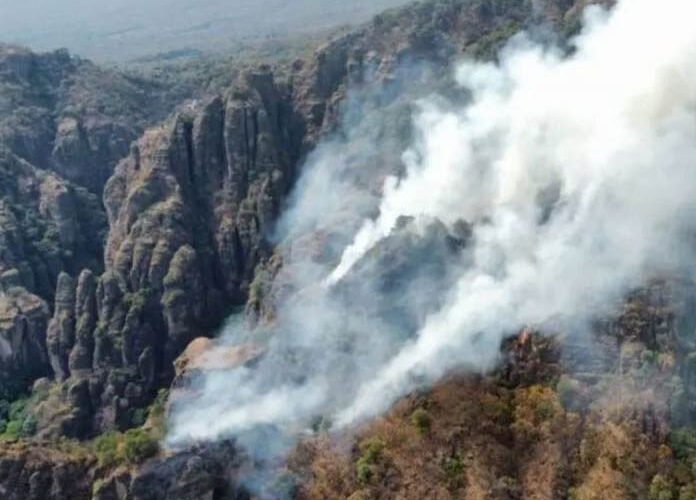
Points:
(560, 184)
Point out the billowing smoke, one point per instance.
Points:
(562, 182)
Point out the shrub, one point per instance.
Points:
(488, 44)
(495, 408)
(371, 452)
(14, 425)
(571, 26)
(17, 409)
(135, 445)
(363, 471)
(648, 357)
(534, 405)
(569, 393)
(687, 493)
(508, 487)
(106, 447)
(138, 445)
(665, 361)
(97, 485)
(537, 401)
(157, 407)
(136, 301)
(13, 429)
(683, 443)
(421, 421)
(320, 423)
(660, 488)
(372, 449)
(454, 467)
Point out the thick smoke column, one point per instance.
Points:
(577, 176)
(580, 174)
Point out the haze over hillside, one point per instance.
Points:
(120, 30)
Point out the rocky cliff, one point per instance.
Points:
(65, 124)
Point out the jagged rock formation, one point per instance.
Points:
(188, 210)
(64, 124)
(199, 473)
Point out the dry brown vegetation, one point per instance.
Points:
(485, 441)
(527, 432)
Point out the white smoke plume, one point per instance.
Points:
(604, 141)
(576, 174)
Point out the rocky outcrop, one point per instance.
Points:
(60, 335)
(201, 473)
(47, 227)
(42, 473)
(23, 356)
(80, 358)
(64, 125)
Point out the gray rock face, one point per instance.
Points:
(60, 335)
(48, 226)
(201, 473)
(23, 322)
(43, 474)
(64, 125)
(80, 359)
(189, 211)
